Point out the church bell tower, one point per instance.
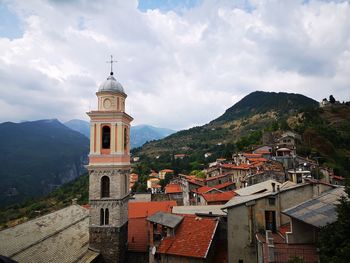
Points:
(109, 170)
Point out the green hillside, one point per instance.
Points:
(260, 102)
(37, 157)
(254, 112)
(61, 197)
(326, 136)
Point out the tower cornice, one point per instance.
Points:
(109, 114)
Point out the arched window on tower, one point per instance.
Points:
(106, 216)
(125, 138)
(102, 217)
(106, 137)
(105, 186)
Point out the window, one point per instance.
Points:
(105, 186)
(270, 220)
(106, 137)
(106, 216)
(125, 138)
(102, 215)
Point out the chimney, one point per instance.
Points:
(273, 187)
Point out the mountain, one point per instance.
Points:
(259, 102)
(255, 111)
(37, 157)
(141, 134)
(80, 126)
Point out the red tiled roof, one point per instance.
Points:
(219, 197)
(252, 155)
(235, 167)
(336, 177)
(172, 189)
(192, 238)
(223, 185)
(259, 159)
(204, 189)
(137, 227)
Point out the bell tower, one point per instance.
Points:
(109, 170)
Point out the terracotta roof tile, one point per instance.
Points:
(235, 167)
(223, 185)
(219, 197)
(172, 189)
(252, 155)
(192, 238)
(203, 189)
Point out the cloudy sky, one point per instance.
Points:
(182, 63)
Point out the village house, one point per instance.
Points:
(180, 156)
(138, 236)
(237, 173)
(182, 238)
(299, 237)
(133, 179)
(153, 185)
(174, 192)
(254, 213)
(164, 172)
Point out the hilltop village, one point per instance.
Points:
(267, 204)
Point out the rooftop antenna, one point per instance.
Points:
(111, 62)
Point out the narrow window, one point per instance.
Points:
(102, 215)
(106, 216)
(105, 186)
(125, 138)
(106, 137)
(118, 103)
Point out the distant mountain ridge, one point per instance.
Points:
(139, 134)
(80, 126)
(38, 156)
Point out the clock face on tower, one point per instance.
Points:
(107, 103)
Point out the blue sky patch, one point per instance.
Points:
(167, 5)
(10, 25)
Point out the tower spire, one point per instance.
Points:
(111, 62)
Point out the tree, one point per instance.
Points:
(331, 99)
(334, 239)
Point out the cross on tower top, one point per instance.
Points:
(111, 62)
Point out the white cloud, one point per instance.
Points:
(179, 70)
